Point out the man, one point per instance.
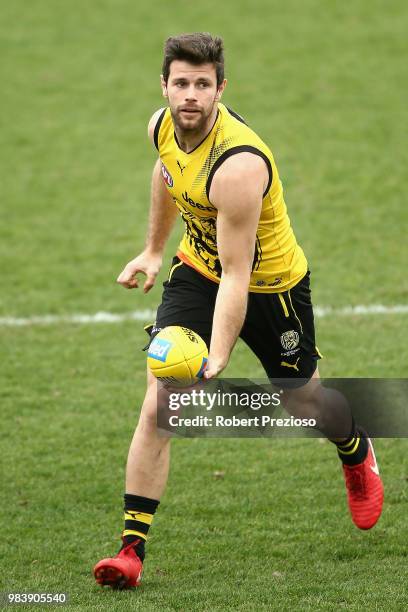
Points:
(238, 272)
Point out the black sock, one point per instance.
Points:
(139, 513)
(354, 449)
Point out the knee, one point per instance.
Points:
(310, 406)
(154, 412)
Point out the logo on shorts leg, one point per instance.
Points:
(289, 340)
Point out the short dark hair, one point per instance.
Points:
(198, 48)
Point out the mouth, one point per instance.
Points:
(189, 112)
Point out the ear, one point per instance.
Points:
(163, 86)
(220, 90)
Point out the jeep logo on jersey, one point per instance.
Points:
(190, 201)
(167, 176)
(159, 349)
(289, 339)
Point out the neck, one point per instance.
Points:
(190, 139)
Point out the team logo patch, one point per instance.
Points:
(289, 339)
(159, 348)
(167, 176)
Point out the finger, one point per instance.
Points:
(128, 273)
(128, 282)
(132, 284)
(123, 276)
(149, 283)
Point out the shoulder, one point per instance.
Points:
(154, 124)
(242, 168)
(241, 163)
(235, 115)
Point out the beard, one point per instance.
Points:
(191, 122)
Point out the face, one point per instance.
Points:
(192, 94)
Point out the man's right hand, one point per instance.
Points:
(146, 263)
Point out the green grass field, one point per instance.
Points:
(324, 85)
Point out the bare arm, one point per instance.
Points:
(236, 192)
(162, 215)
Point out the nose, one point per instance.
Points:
(191, 93)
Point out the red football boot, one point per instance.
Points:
(365, 490)
(120, 572)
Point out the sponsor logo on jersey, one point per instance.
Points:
(168, 179)
(276, 282)
(159, 348)
(182, 168)
(191, 202)
(289, 339)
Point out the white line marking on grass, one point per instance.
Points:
(360, 309)
(148, 316)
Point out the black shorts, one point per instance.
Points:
(278, 327)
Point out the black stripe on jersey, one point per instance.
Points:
(157, 128)
(234, 151)
(234, 114)
(257, 255)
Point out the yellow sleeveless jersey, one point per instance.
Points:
(279, 262)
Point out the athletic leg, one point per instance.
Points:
(188, 300)
(279, 328)
(365, 491)
(146, 477)
(149, 453)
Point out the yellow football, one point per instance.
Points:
(177, 355)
